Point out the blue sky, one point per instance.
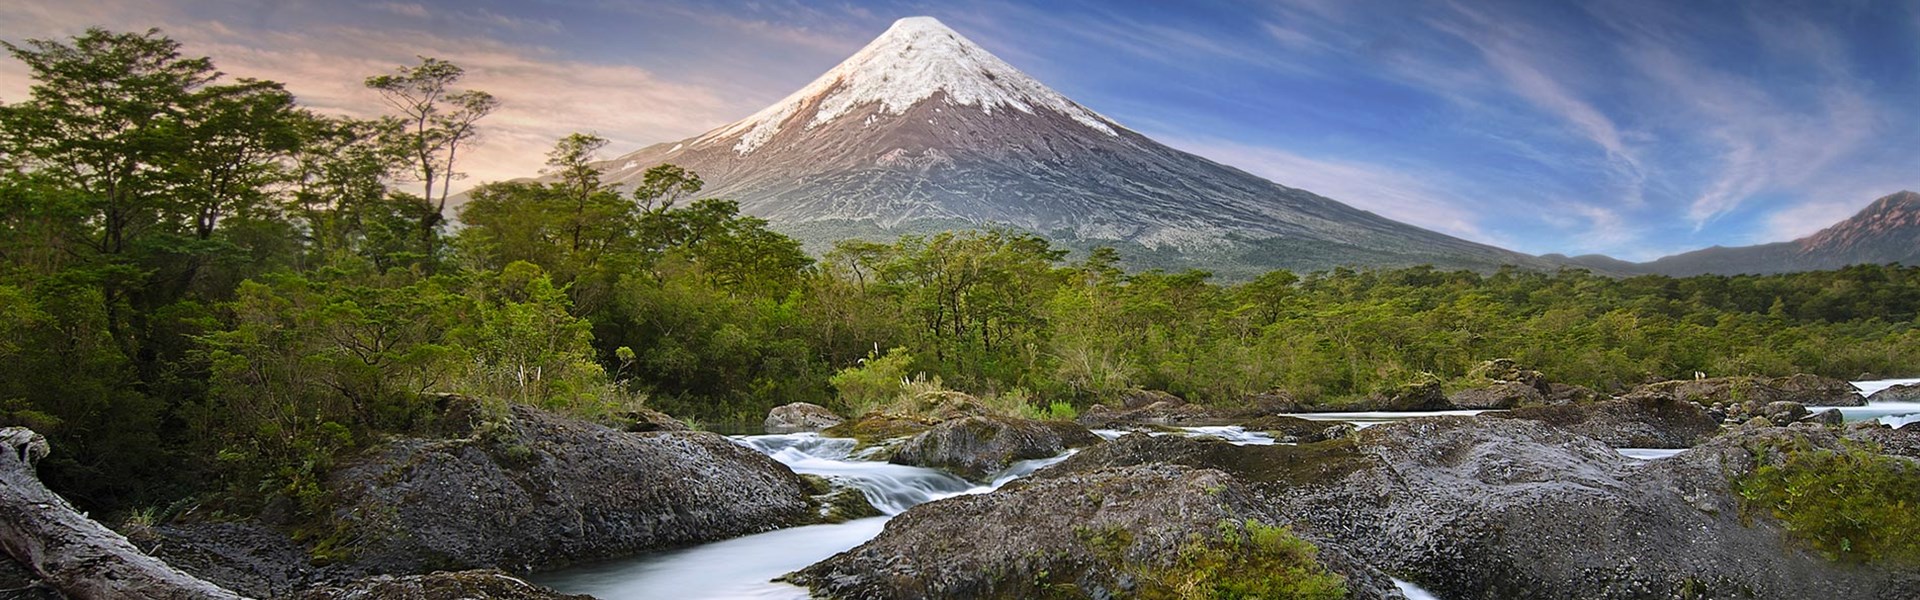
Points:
(1626, 127)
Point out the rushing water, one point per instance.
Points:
(745, 567)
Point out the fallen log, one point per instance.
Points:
(70, 552)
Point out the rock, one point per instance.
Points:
(1830, 417)
(244, 556)
(462, 585)
(1757, 422)
(1814, 390)
(1783, 413)
(1808, 390)
(1485, 507)
(1507, 370)
(977, 448)
(1425, 396)
(1909, 392)
(1116, 533)
(1643, 422)
(1561, 393)
(1904, 441)
(1135, 399)
(879, 426)
(1499, 396)
(800, 416)
(643, 419)
(1295, 430)
(1173, 412)
(542, 491)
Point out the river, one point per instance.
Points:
(745, 567)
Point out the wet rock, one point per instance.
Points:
(976, 448)
(1114, 533)
(243, 556)
(462, 585)
(1295, 430)
(1830, 417)
(1783, 413)
(1135, 399)
(1561, 393)
(1172, 412)
(1643, 422)
(1909, 392)
(800, 416)
(1499, 396)
(1425, 396)
(877, 427)
(1808, 390)
(1904, 441)
(1507, 370)
(542, 491)
(642, 420)
(1486, 507)
(1814, 390)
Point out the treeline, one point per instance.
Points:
(208, 291)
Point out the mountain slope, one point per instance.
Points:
(923, 130)
(1887, 231)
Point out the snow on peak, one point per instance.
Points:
(915, 58)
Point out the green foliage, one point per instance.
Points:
(877, 381)
(1245, 561)
(1852, 505)
(1238, 561)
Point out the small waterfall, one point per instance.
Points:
(1414, 592)
(745, 567)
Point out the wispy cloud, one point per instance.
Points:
(543, 95)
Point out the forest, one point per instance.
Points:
(211, 292)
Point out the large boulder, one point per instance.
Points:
(1295, 430)
(541, 491)
(1808, 390)
(1165, 410)
(800, 416)
(1641, 422)
(461, 585)
(1483, 507)
(1499, 396)
(1908, 392)
(979, 447)
(1139, 531)
(243, 556)
(1422, 396)
(1814, 390)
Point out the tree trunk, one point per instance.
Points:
(77, 556)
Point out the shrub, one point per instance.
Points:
(1852, 505)
(876, 381)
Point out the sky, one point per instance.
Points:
(1633, 128)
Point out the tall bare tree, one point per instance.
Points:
(437, 122)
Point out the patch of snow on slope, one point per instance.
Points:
(914, 59)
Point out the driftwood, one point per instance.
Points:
(75, 555)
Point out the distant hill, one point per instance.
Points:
(1887, 231)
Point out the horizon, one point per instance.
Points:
(1631, 130)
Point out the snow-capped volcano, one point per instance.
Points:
(923, 129)
(915, 59)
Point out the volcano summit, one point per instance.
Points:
(923, 130)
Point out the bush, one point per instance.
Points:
(1852, 505)
(877, 381)
(1245, 561)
